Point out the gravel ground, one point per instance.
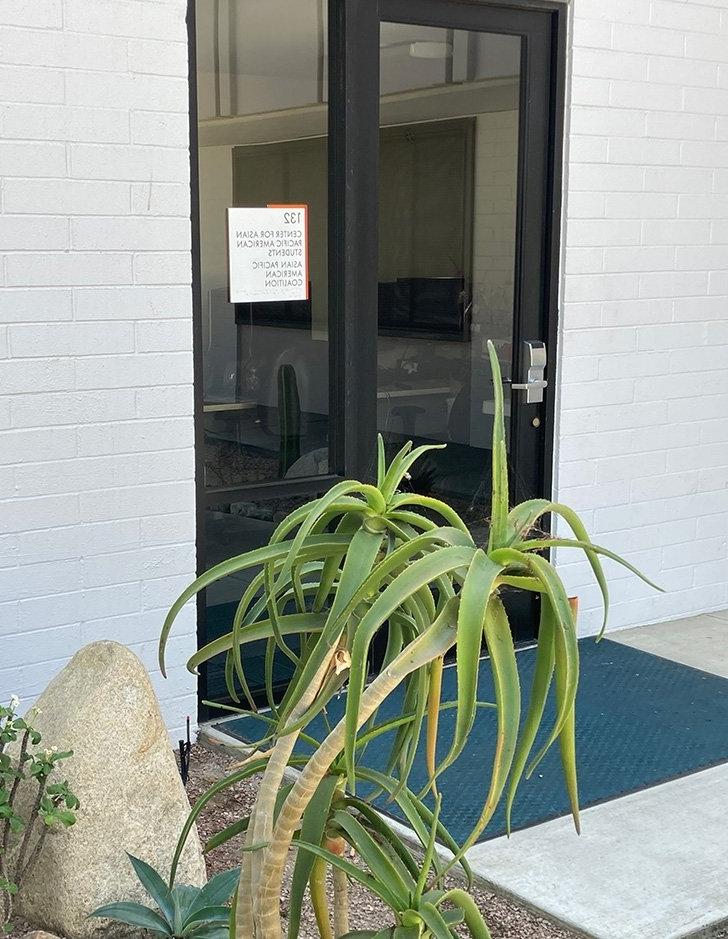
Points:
(506, 919)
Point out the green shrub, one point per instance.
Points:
(23, 831)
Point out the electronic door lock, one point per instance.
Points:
(534, 366)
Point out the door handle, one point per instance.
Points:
(534, 367)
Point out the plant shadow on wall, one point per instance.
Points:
(368, 561)
(31, 805)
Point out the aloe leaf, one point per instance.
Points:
(357, 581)
(343, 488)
(353, 872)
(507, 685)
(362, 553)
(415, 522)
(395, 844)
(216, 892)
(233, 916)
(473, 917)
(268, 668)
(418, 815)
(430, 849)
(298, 591)
(335, 625)
(272, 587)
(238, 620)
(414, 729)
(577, 526)
(348, 525)
(227, 834)
(392, 477)
(534, 510)
(540, 685)
(523, 517)
(566, 646)
(479, 584)
(433, 719)
(322, 544)
(398, 880)
(434, 921)
(499, 497)
(567, 743)
(290, 624)
(544, 544)
(154, 885)
(404, 732)
(134, 914)
(436, 505)
(566, 650)
(398, 470)
(231, 566)
(299, 515)
(418, 574)
(381, 461)
(230, 679)
(313, 827)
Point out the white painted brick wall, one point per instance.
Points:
(96, 430)
(642, 447)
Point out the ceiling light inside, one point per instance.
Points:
(430, 50)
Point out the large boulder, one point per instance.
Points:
(103, 707)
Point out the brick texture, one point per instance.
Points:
(96, 469)
(642, 447)
(97, 522)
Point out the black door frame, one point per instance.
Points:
(354, 27)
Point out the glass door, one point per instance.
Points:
(422, 136)
(467, 247)
(463, 242)
(263, 382)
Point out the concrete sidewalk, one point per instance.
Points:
(652, 865)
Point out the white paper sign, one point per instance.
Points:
(268, 253)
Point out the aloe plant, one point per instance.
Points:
(367, 560)
(182, 912)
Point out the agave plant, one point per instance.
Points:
(182, 912)
(366, 560)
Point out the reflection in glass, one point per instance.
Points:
(265, 366)
(448, 192)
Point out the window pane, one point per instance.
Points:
(232, 529)
(265, 365)
(448, 194)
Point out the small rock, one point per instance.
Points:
(103, 707)
(39, 934)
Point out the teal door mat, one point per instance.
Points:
(641, 720)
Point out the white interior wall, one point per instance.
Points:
(642, 448)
